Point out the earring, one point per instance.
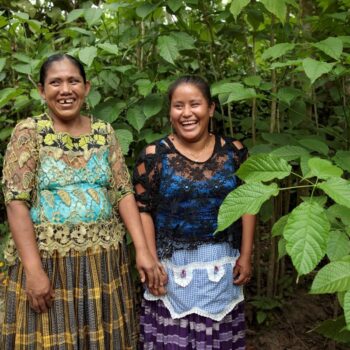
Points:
(211, 124)
(171, 136)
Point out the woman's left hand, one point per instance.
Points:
(242, 271)
(148, 269)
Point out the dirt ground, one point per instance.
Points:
(288, 328)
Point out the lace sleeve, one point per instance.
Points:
(121, 183)
(241, 153)
(145, 179)
(21, 158)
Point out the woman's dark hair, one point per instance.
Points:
(195, 80)
(59, 57)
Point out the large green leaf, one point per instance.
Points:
(338, 189)
(314, 145)
(8, 94)
(314, 69)
(93, 98)
(288, 94)
(75, 14)
(174, 5)
(241, 93)
(277, 50)
(109, 110)
(144, 86)
(110, 48)
(341, 212)
(125, 138)
(331, 46)
(152, 105)
(338, 245)
(263, 167)
(136, 118)
(306, 233)
(323, 169)
(224, 87)
(347, 309)
(277, 7)
(237, 6)
(184, 41)
(92, 15)
(334, 329)
(168, 48)
(334, 277)
(145, 9)
(87, 55)
(2, 63)
(289, 152)
(342, 159)
(247, 198)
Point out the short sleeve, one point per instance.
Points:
(20, 162)
(240, 153)
(121, 182)
(145, 178)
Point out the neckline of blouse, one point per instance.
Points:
(90, 133)
(173, 148)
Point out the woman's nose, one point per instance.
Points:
(65, 87)
(187, 110)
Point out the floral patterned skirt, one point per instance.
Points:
(93, 306)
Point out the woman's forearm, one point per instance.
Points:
(148, 227)
(22, 231)
(248, 228)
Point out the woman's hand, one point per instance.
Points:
(242, 271)
(39, 290)
(161, 290)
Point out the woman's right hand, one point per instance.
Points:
(39, 290)
(163, 278)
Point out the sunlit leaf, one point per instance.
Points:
(92, 15)
(110, 48)
(278, 8)
(323, 169)
(314, 69)
(331, 46)
(306, 233)
(278, 227)
(263, 167)
(87, 55)
(125, 138)
(277, 50)
(334, 277)
(75, 14)
(338, 189)
(241, 93)
(320, 200)
(338, 245)
(237, 6)
(247, 198)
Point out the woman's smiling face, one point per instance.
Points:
(190, 112)
(64, 90)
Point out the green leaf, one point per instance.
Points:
(334, 277)
(341, 212)
(279, 225)
(5, 133)
(145, 9)
(338, 245)
(342, 159)
(288, 94)
(93, 98)
(109, 110)
(278, 138)
(289, 152)
(347, 309)
(277, 7)
(241, 93)
(287, 63)
(253, 80)
(6, 95)
(315, 145)
(334, 329)
(110, 48)
(263, 167)
(92, 15)
(125, 138)
(237, 6)
(2, 63)
(260, 315)
(152, 105)
(338, 189)
(247, 198)
(314, 69)
(144, 86)
(87, 55)
(75, 14)
(331, 46)
(320, 200)
(136, 118)
(323, 169)
(174, 5)
(184, 41)
(306, 233)
(277, 50)
(23, 68)
(168, 48)
(224, 88)
(282, 248)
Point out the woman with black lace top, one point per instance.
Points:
(180, 183)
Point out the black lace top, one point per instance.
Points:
(184, 196)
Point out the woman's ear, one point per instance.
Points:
(87, 87)
(212, 109)
(41, 91)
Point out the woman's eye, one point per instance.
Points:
(54, 83)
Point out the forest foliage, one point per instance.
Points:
(279, 71)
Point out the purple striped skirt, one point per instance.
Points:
(160, 332)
